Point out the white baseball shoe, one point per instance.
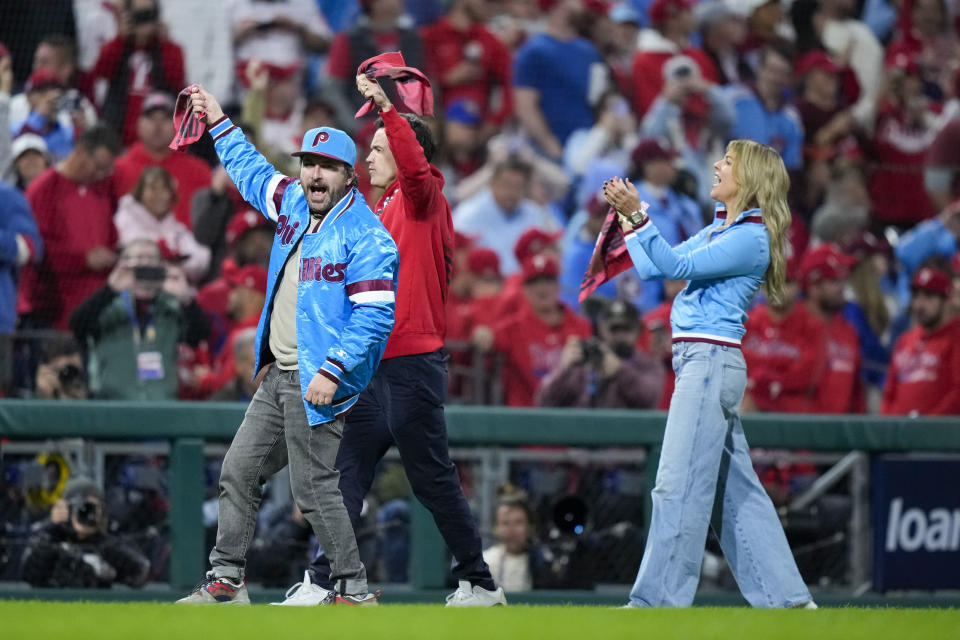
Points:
(468, 595)
(306, 594)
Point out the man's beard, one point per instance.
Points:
(335, 197)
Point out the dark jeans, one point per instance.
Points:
(403, 406)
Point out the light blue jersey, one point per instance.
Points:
(723, 274)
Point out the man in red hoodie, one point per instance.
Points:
(924, 375)
(825, 271)
(786, 351)
(403, 405)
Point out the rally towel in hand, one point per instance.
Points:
(610, 256)
(187, 124)
(412, 85)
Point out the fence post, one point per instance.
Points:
(428, 551)
(187, 488)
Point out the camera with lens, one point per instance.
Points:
(144, 16)
(592, 351)
(71, 380)
(149, 274)
(85, 510)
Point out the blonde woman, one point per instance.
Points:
(704, 458)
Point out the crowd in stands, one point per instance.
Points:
(155, 265)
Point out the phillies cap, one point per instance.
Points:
(157, 100)
(241, 223)
(483, 263)
(662, 10)
(932, 280)
(651, 149)
(330, 143)
(825, 262)
(533, 242)
(462, 241)
(42, 79)
(252, 276)
(540, 266)
(817, 60)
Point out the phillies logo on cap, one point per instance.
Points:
(323, 136)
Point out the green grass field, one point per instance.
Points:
(140, 621)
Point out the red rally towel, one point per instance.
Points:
(610, 257)
(412, 85)
(187, 124)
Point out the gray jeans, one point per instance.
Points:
(274, 432)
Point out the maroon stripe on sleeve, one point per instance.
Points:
(226, 132)
(337, 364)
(329, 376)
(219, 120)
(281, 188)
(369, 285)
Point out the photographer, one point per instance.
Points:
(132, 328)
(73, 548)
(607, 370)
(60, 373)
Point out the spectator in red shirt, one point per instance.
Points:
(140, 60)
(924, 375)
(154, 133)
(673, 26)
(607, 371)
(656, 340)
(905, 130)
(469, 62)
(785, 349)
(825, 274)
(927, 39)
(533, 242)
(532, 340)
(73, 204)
(248, 287)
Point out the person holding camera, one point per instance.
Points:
(606, 370)
(73, 549)
(139, 61)
(132, 328)
(60, 373)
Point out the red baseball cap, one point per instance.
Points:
(252, 276)
(902, 61)
(597, 206)
(825, 262)
(662, 10)
(533, 242)
(43, 79)
(932, 280)
(462, 241)
(540, 266)
(241, 223)
(483, 263)
(650, 149)
(817, 60)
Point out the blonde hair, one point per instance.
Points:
(763, 184)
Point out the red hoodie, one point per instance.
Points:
(924, 375)
(841, 388)
(785, 359)
(417, 215)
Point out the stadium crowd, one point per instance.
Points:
(104, 228)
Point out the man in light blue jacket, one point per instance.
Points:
(328, 312)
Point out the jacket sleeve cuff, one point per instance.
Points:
(332, 370)
(638, 230)
(221, 127)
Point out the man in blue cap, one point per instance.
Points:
(328, 312)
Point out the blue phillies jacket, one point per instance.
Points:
(723, 274)
(347, 275)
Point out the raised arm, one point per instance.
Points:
(259, 182)
(413, 169)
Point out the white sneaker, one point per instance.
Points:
(809, 605)
(306, 594)
(475, 596)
